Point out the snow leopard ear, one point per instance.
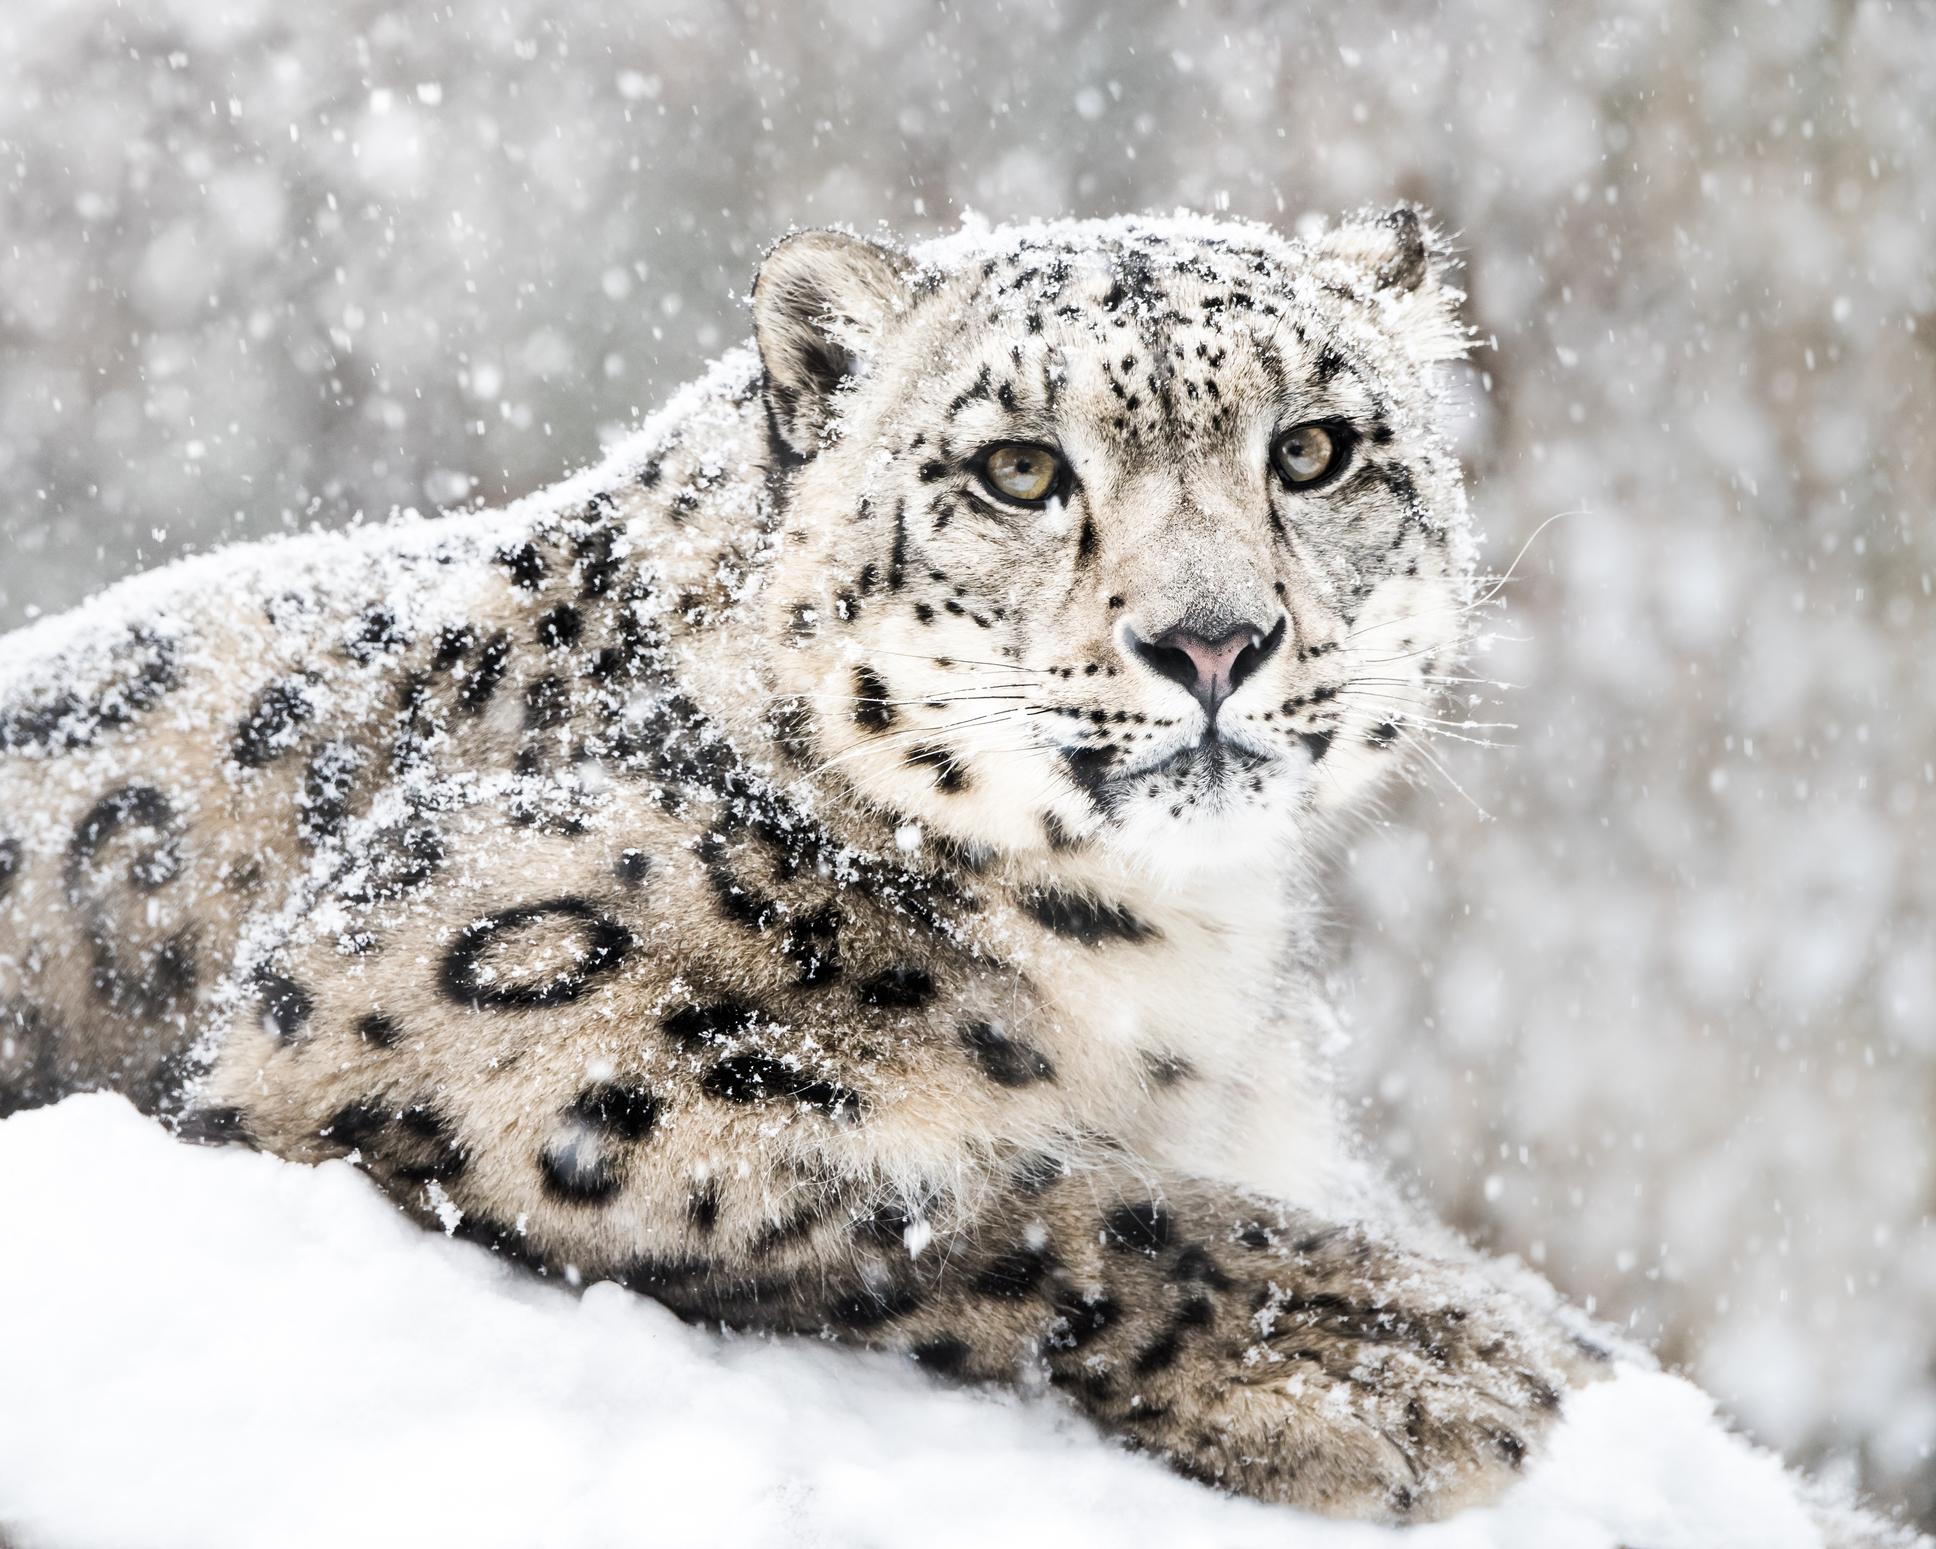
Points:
(1409, 264)
(819, 305)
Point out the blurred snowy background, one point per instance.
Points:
(1665, 1022)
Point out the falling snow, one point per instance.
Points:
(1646, 995)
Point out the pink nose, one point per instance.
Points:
(1211, 670)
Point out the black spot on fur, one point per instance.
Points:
(1039, 1173)
(1167, 1069)
(379, 1030)
(328, 779)
(625, 1111)
(64, 721)
(1402, 488)
(1195, 1264)
(1005, 1061)
(130, 806)
(354, 1125)
(903, 987)
(214, 1127)
(897, 557)
(526, 565)
(559, 629)
(758, 1078)
(946, 1357)
(415, 724)
(133, 833)
(377, 632)
(576, 1171)
(1159, 1354)
(702, 1207)
(1013, 1275)
(60, 722)
(1060, 839)
(812, 943)
(788, 1230)
(872, 1306)
(950, 774)
(739, 903)
(453, 645)
(1082, 1319)
(547, 702)
(427, 1150)
(697, 1026)
(1085, 919)
(872, 711)
(598, 564)
(1319, 742)
(1141, 1228)
(496, 1237)
(632, 867)
(1383, 735)
(1089, 768)
(464, 976)
(400, 857)
(272, 725)
(483, 680)
(286, 1005)
(9, 864)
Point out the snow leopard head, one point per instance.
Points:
(1138, 534)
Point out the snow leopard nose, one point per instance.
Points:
(1212, 670)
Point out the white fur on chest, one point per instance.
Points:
(1209, 1037)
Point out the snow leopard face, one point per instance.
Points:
(1127, 535)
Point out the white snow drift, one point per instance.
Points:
(208, 1348)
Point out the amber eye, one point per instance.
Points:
(1020, 473)
(1305, 453)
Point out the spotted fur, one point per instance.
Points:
(776, 874)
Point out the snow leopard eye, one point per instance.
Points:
(1310, 453)
(1021, 473)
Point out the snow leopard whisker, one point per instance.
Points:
(933, 701)
(1453, 736)
(915, 733)
(1422, 712)
(1438, 723)
(945, 660)
(1526, 547)
(891, 741)
(1404, 619)
(1416, 742)
(1445, 679)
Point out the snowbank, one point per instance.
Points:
(208, 1348)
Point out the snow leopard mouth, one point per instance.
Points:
(1214, 762)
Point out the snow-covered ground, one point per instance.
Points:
(213, 1347)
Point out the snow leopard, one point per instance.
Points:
(845, 865)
